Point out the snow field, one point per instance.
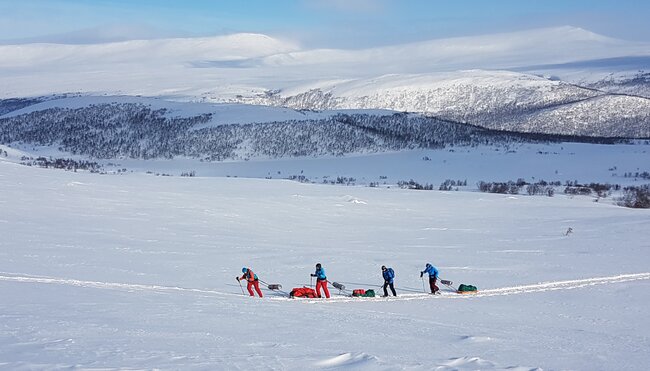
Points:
(137, 271)
(585, 163)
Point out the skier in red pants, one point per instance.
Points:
(321, 281)
(252, 279)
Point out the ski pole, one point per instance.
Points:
(311, 279)
(241, 287)
(423, 289)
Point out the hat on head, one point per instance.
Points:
(318, 265)
(244, 270)
(383, 267)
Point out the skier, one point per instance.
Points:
(321, 281)
(433, 277)
(252, 280)
(389, 277)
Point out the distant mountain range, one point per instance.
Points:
(493, 99)
(558, 81)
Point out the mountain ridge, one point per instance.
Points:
(461, 79)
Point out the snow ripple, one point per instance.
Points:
(354, 360)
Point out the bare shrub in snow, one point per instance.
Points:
(636, 197)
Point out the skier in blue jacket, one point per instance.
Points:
(389, 278)
(321, 281)
(433, 277)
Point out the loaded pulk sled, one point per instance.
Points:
(462, 289)
(362, 293)
(303, 292)
(370, 293)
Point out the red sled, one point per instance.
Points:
(358, 292)
(302, 292)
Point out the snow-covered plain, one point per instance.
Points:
(137, 271)
(575, 162)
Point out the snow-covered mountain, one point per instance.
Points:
(492, 99)
(235, 64)
(561, 80)
(165, 52)
(497, 51)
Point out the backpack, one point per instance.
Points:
(302, 292)
(369, 294)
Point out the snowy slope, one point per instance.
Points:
(140, 127)
(221, 114)
(494, 99)
(137, 272)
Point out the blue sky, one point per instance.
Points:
(314, 23)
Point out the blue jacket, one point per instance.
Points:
(389, 275)
(431, 270)
(320, 274)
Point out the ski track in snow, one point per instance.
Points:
(105, 285)
(504, 291)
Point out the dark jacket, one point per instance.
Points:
(389, 275)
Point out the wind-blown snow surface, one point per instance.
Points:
(137, 272)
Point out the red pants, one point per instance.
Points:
(432, 284)
(322, 284)
(257, 288)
